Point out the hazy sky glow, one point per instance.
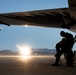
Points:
(36, 37)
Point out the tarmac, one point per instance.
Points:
(34, 65)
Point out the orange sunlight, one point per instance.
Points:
(24, 50)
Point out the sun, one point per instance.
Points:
(24, 50)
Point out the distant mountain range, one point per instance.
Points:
(34, 52)
(44, 51)
(7, 52)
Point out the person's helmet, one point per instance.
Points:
(62, 33)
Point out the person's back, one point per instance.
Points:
(70, 41)
(68, 44)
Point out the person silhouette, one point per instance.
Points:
(65, 47)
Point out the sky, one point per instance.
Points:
(36, 37)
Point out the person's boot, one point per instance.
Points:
(55, 64)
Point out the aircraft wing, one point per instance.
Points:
(44, 18)
(57, 18)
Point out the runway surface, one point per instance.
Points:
(38, 65)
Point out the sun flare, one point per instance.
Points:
(24, 50)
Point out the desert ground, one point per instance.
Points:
(34, 65)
